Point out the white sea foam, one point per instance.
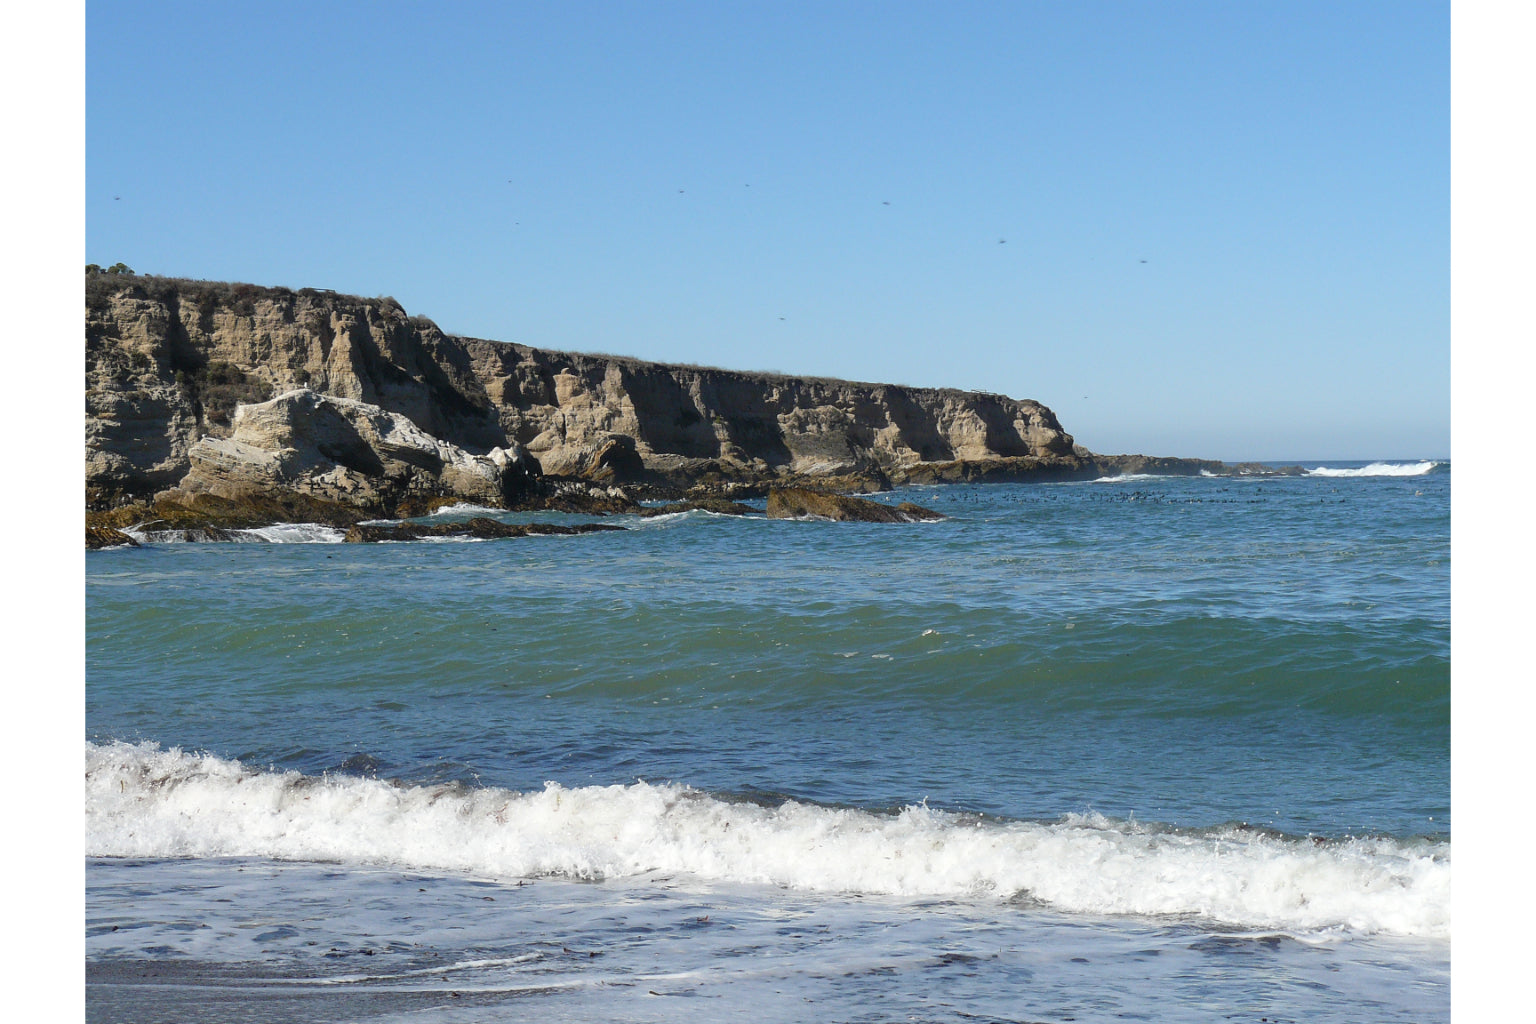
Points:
(282, 533)
(1126, 478)
(143, 536)
(464, 508)
(1379, 469)
(142, 801)
(684, 516)
(667, 517)
(293, 533)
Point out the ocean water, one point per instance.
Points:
(1162, 749)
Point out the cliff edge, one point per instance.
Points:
(169, 361)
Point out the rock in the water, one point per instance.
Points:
(178, 516)
(1125, 465)
(798, 503)
(577, 498)
(485, 529)
(719, 506)
(916, 513)
(106, 537)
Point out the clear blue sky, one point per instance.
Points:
(707, 183)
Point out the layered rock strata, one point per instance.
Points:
(390, 408)
(350, 452)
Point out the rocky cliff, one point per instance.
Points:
(345, 451)
(168, 362)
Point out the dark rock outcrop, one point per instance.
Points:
(208, 512)
(719, 506)
(97, 537)
(917, 513)
(1124, 465)
(577, 499)
(799, 503)
(484, 529)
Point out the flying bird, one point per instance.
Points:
(885, 202)
(1002, 241)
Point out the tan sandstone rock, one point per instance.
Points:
(347, 451)
(168, 361)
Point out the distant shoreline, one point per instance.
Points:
(219, 405)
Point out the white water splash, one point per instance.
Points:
(687, 515)
(1379, 469)
(142, 801)
(281, 533)
(293, 533)
(464, 508)
(1126, 478)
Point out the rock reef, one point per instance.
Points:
(799, 503)
(478, 527)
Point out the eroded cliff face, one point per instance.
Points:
(168, 361)
(350, 452)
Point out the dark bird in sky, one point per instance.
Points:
(117, 197)
(885, 202)
(1002, 241)
(1143, 261)
(781, 318)
(679, 191)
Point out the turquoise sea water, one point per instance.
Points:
(1165, 748)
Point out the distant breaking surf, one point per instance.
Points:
(1380, 469)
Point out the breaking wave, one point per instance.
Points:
(459, 509)
(295, 533)
(1126, 478)
(1380, 469)
(142, 801)
(281, 533)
